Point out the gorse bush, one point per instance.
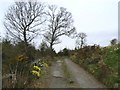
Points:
(16, 61)
(102, 62)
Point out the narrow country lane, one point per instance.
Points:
(83, 78)
(79, 76)
(57, 79)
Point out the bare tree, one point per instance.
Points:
(23, 20)
(59, 23)
(81, 39)
(114, 41)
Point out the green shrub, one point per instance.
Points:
(101, 62)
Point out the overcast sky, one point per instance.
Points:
(97, 18)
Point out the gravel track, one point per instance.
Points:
(83, 78)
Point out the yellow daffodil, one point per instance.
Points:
(36, 73)
(37, 68)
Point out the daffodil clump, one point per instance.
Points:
(36, 73)
(39, 69)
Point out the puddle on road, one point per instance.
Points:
(57, 74)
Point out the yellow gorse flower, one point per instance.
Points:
(37, 68)
(21, 58)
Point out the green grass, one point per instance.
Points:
(111, 60)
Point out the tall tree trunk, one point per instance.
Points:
(81, 43)
(25, 41)
(52, 50)
(51, 46)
